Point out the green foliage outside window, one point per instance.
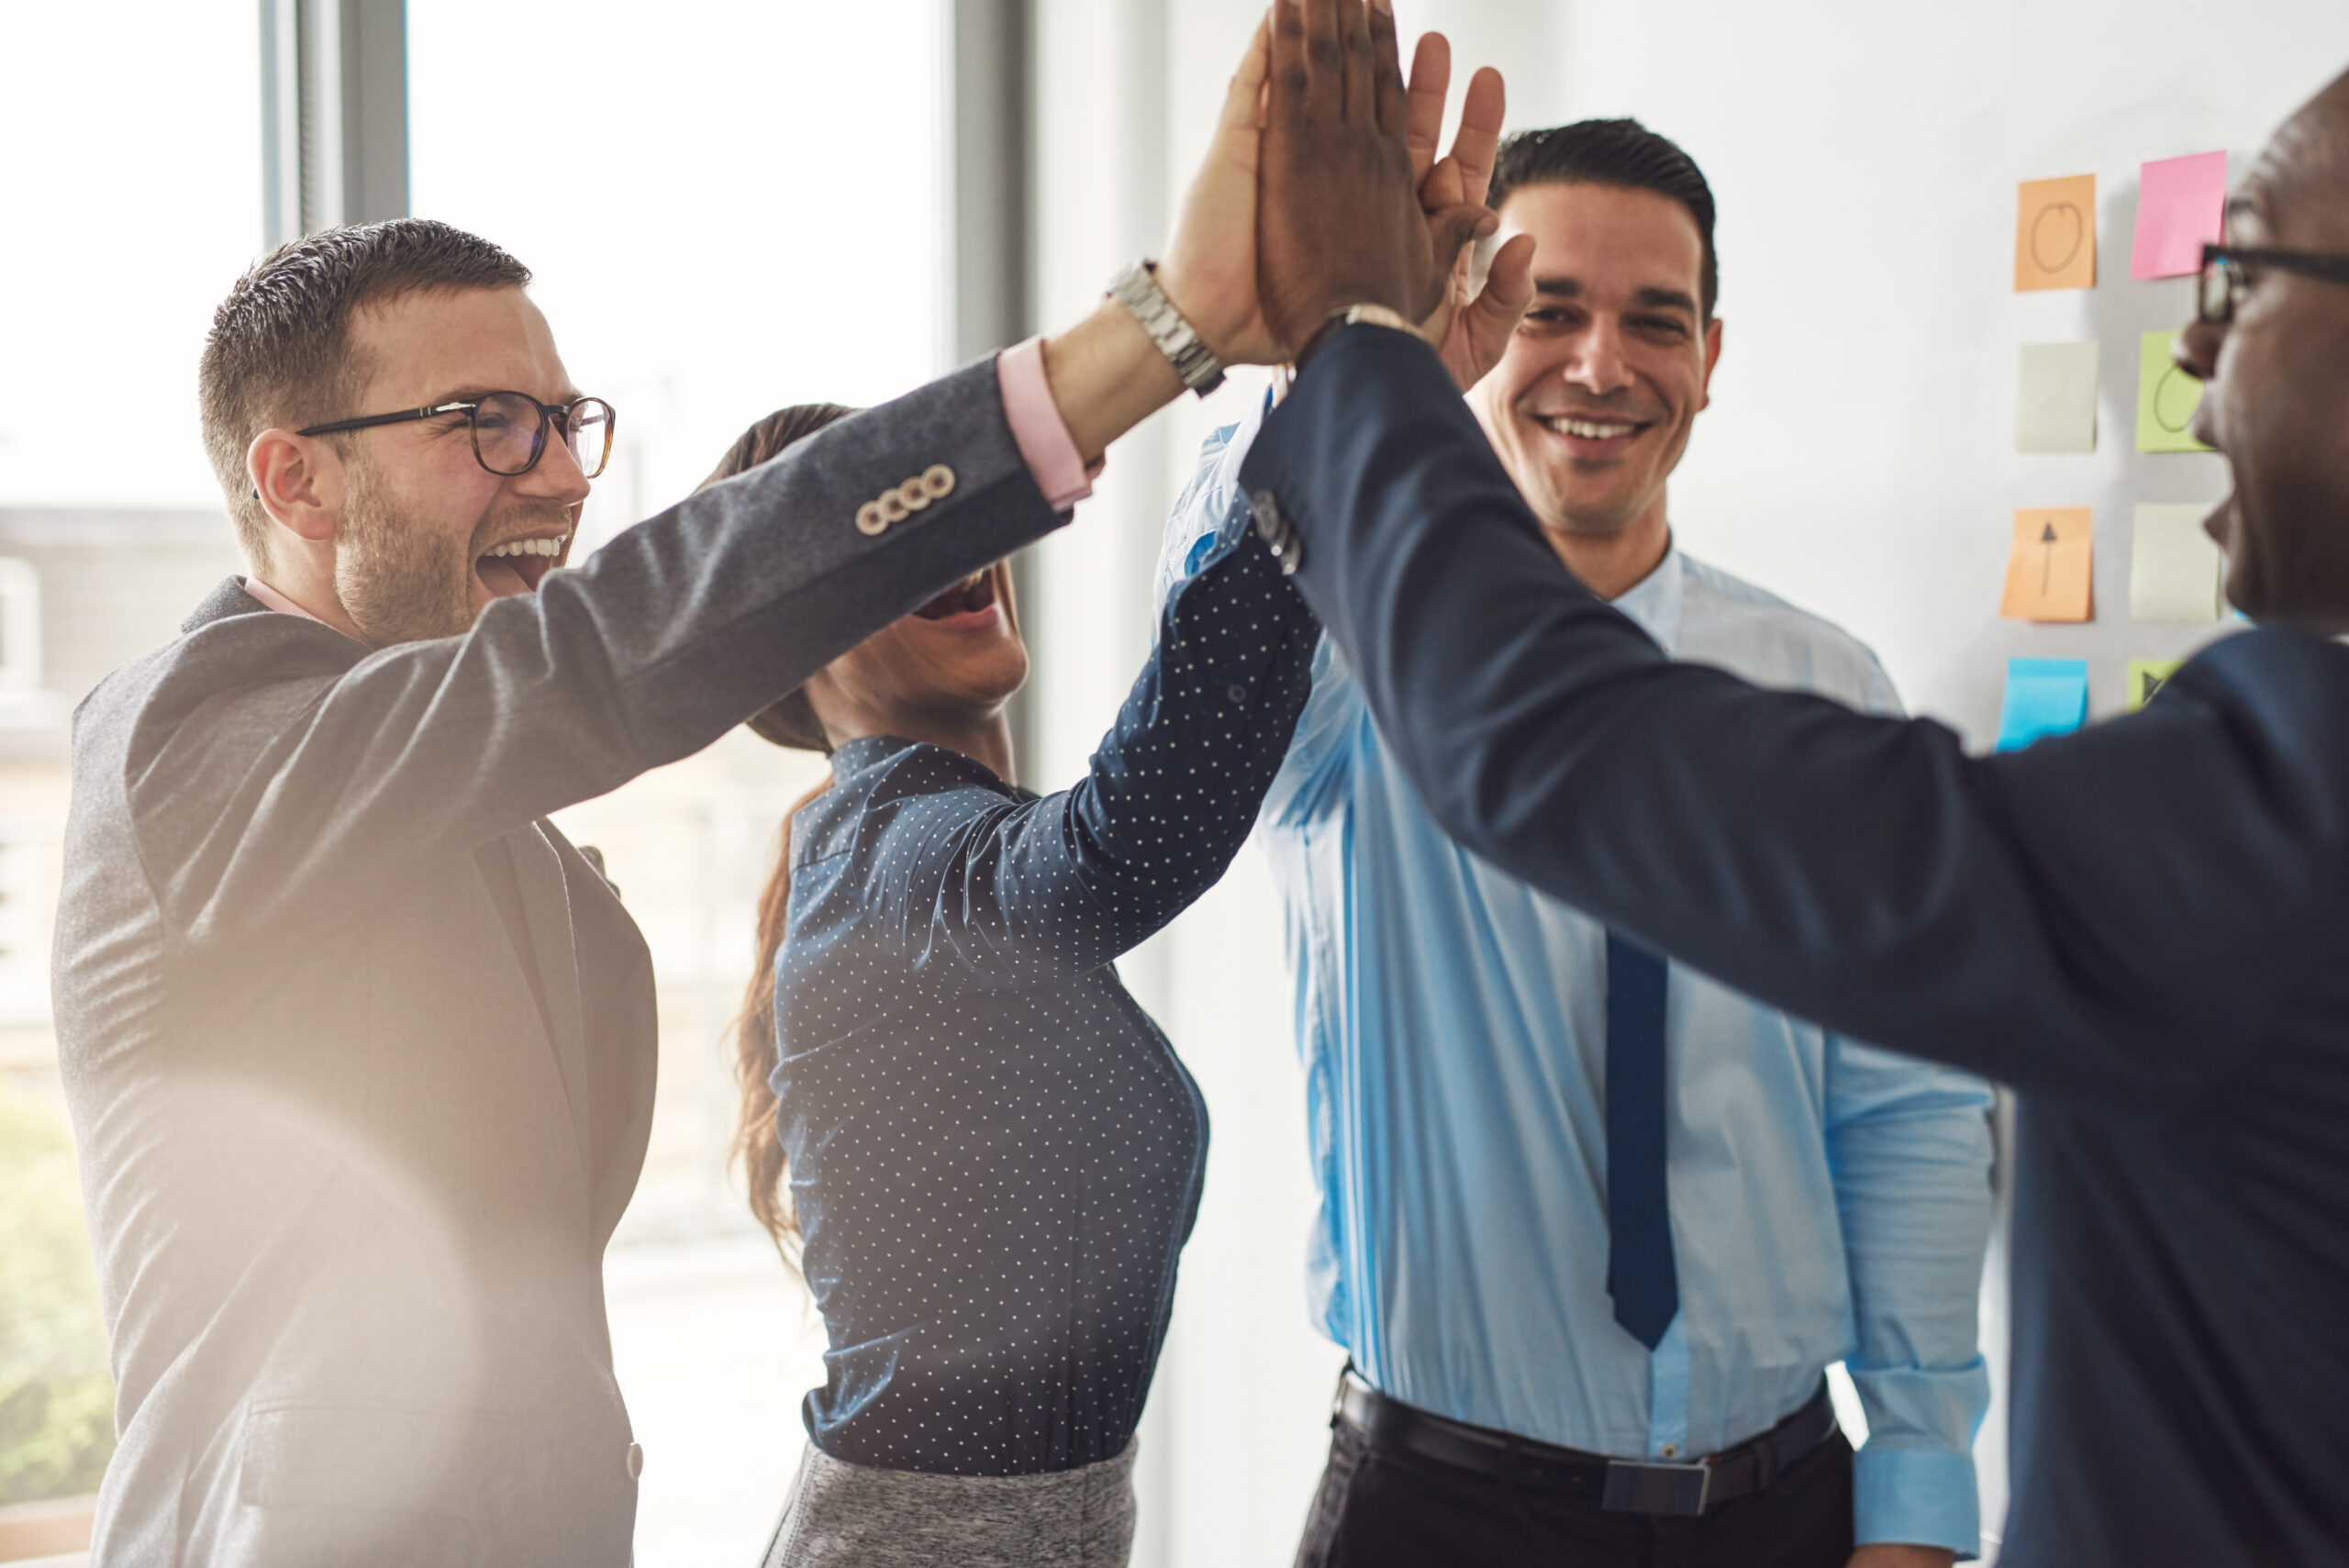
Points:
(56, 1395)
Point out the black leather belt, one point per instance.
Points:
(1621, 1486)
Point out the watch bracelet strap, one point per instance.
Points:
(1136, 288)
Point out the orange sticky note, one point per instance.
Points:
(2055, 234)
(2048, 570)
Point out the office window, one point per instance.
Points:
(729, 207)
(130, 202)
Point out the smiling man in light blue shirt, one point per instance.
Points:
(1782, 1198)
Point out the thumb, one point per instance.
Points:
(1509, 283)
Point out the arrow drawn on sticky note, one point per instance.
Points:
(2056, 541)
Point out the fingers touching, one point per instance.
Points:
(1243, 102)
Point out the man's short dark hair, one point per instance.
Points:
(1623, 153)
(279, 352)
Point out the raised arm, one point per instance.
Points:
(2114, 912)
(294, 768)
(338, 770)
(1862, 871)
(971, 888)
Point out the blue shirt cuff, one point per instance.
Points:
(1919, 1496)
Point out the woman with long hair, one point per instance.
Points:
(987, 1153)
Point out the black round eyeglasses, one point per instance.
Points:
(509, 429)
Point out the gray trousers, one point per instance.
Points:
(855, 1516)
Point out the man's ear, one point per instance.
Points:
(299, 481)
(1712, 358)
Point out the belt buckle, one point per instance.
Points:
(1679, 1491)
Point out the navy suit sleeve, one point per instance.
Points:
(982, 890)
(2114, 912)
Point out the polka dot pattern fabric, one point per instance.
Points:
(996, 1155)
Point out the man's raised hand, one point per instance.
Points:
(1471, 327)
(1339, 214)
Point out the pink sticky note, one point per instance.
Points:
(2181, 204)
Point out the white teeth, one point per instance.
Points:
(1588, 430)
(530, 546)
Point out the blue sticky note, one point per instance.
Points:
(2044, 697)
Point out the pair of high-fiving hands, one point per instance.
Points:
(1322, 190)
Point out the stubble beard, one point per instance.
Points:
(396, 581)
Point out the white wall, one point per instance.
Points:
(1858, 456)
(1857, 459)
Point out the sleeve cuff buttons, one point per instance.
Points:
(900, 502)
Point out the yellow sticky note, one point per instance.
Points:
(2049, 568)
(2055, 234)
(2055, 398)
(2166, 398)
(2174, 568)
(2147, 676)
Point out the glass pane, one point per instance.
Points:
(129, 201)
(695, 250)
(133, 201)
(746, 215)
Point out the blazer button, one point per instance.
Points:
(938, 481)
(869, 519)
(912, 495)
(635, 1461)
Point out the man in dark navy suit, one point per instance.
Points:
(2143, 926)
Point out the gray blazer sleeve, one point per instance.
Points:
(277, 773)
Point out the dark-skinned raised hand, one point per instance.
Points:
(1339, 215)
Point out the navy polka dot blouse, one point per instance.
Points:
(994, 1154)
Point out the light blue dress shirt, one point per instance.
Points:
(1829, 1201)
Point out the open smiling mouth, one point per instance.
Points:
(1597, 435)
(519, 566)
(969, 605)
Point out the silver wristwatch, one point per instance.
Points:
(1138, 291)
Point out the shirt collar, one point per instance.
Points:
(1654, 601)
(275, 600)
(852, 757)
(261, 593)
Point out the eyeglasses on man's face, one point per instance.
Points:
(510, 430)
(2228, 269)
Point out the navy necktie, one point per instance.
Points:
(1640, 1274)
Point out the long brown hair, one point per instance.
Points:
(789, 722)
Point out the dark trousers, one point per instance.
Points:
(1386, 1508)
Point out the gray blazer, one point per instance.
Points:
(360, 1051)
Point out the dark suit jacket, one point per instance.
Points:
(2144, 928)
(359, 1053)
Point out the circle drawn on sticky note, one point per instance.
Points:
(2173, 375)
(2050, 239)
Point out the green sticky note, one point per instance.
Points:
(2055, 398)
(2174, 568)
(2166, 398)
(2147, 676)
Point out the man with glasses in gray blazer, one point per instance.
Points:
(359, 1051)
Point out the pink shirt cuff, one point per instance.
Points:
(1038, 429)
